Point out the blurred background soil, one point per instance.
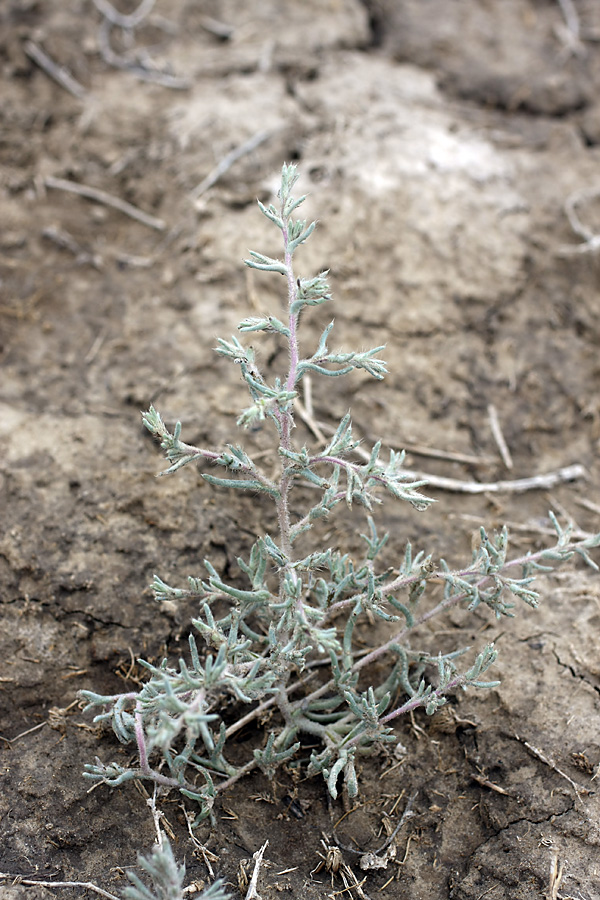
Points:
(450, 152)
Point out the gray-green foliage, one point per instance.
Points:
(166, 878)
(290, 609)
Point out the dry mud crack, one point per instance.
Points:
(439, 144)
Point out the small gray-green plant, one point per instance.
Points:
(166, 878)
(285, 640)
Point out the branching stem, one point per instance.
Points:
(261, 637)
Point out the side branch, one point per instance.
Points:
(179, 454)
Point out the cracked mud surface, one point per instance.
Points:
(438, 143)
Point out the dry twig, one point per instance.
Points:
(56, 718)
(124, 21)
(485, 782)
(499, 437)
(518, 485)
(556, 876)
(23, 733)
(86, 885)
(252, 893)
(588, 504)
(58, 73)
(217, 28)
(226, 163)
(371, 860)
(578, 788)
(90, 193)
(133, 63)
(307, 417)
(157, 815)
(351, 883)
(136, 66)
(570, 32)
(318, 429)
(207, 856)
(449, 455)
(66, 241)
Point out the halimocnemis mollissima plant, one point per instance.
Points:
(295, 609)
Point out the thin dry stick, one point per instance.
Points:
(90, 193)
(588, 504)
(556, 876)
(206, 854)
(308, 420)
(157, 815)
(485, 782)
(218, 29)
(499, 437)
(407, 814)
(451, 456)
(252, 893)
(578, 788)
(534, 483)
(86, 885)
(66, 241)
(571, 17)
(569, 37)
(519, 485)
(52, 716)
(319, 428)
(90, 356)
(351, 883)
(308, 398)
(116, 18)
(226, 163)
(58, 73)
(136, 66)
(571, 34)
(23, 733)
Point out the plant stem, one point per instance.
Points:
(415, 702)
(287, 416)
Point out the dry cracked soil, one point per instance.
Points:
(450, 151)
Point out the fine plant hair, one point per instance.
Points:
(283, 636)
